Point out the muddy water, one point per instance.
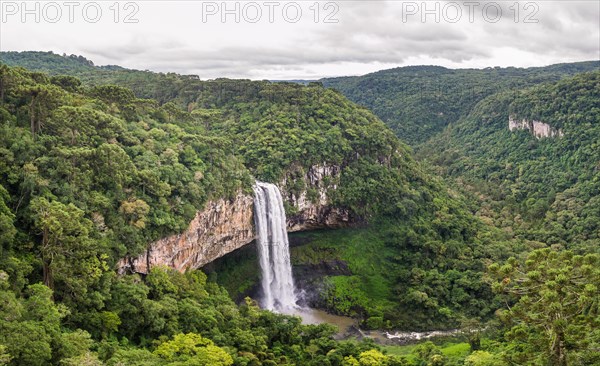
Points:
(315, 316)
(348, 328)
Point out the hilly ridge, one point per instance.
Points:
(417, 102)
(542, 189)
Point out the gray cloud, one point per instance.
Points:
(368, 36)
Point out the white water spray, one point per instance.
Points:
(273, 249)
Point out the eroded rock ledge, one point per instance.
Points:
(536, 128)
(226, 225)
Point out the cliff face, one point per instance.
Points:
(226, 225)
(312, 205)
(537, 128)
(223, 226)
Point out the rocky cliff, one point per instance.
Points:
(311, 207)
(537, 128)
(226, 225)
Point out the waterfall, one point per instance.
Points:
(273, 248)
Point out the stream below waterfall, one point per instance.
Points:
(348, 328)
(316, 316)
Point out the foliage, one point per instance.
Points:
(540, 190)
(555, 310)
(192, 349)
(90, 171)
(135, 178)
(400, 282)
(417, 102)
(542, 193)
(102, 173)
(483, 358)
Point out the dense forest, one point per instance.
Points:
(540, 192)
(99, 161)
(417, 102)
(546, 189)
(92, 173)
(162, 87)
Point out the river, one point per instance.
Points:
(348, 328)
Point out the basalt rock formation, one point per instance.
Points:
(536, 128)
(225, 225)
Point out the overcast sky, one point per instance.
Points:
(294, 40)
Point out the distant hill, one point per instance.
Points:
(163, 87)
(48, 62)
(417, 102)
(539, 188)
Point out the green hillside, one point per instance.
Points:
(545, 189)
(417, 102)
(92, 173)
(97, 162)
(163, 87)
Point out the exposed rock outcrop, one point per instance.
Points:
(537, 128)
(315, 212)
(226, 225)
(222, 227)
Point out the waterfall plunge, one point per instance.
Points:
(273, 248)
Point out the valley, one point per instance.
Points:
(416, 199)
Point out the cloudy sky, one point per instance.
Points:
(304, 39)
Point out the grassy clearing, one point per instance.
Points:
(364, 252)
